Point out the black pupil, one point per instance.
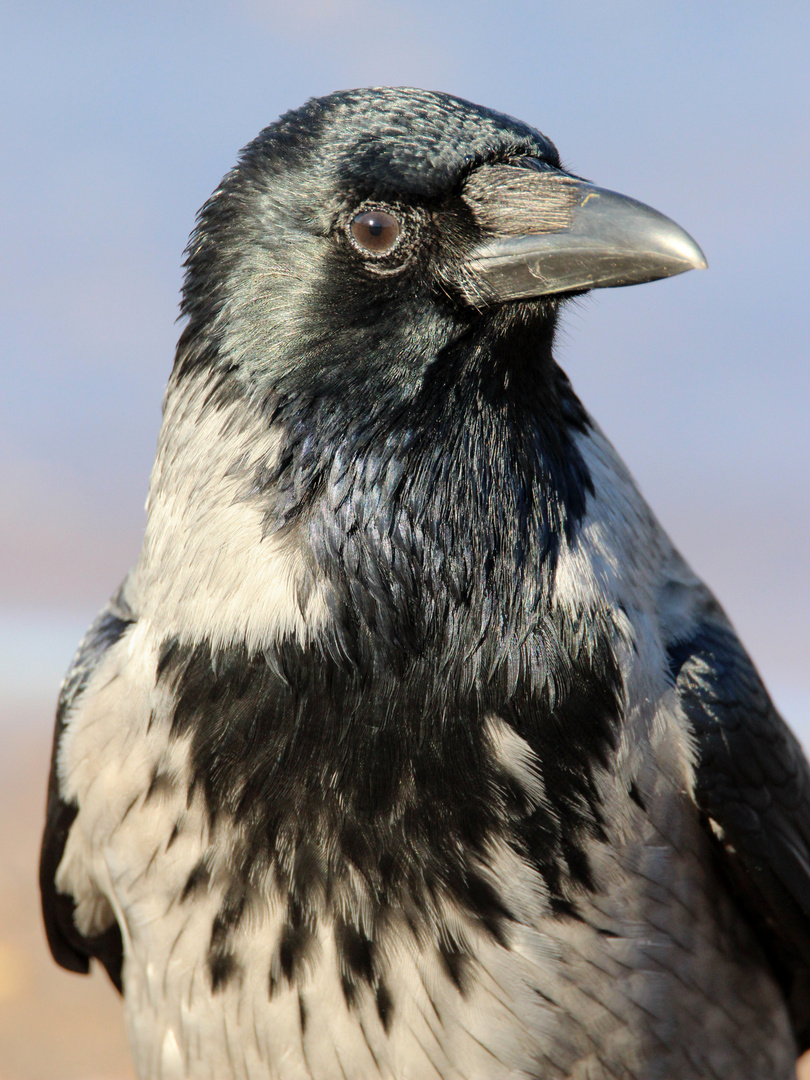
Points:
(375, 231)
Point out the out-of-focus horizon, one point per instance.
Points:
(118, 120)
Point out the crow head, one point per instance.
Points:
(363, 236)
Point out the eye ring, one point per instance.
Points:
(375, 232)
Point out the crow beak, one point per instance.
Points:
(546, 232)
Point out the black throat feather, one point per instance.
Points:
(435, 509)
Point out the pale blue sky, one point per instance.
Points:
(119, 119)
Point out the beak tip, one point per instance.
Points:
(671, 249)
(693, 254)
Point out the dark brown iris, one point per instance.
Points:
(375, 231)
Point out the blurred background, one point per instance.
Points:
(117, 121)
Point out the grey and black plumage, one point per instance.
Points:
(411, 747)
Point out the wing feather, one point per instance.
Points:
(752, 786)
(70, 948)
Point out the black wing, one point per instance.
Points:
(753, 790)
(69, 947)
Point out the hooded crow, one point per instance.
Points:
(411, 748)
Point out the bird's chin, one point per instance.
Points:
(538, 314)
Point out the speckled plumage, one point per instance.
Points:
(410, 747)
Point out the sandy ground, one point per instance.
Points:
(53, 1025)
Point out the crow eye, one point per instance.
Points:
(375, 231)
